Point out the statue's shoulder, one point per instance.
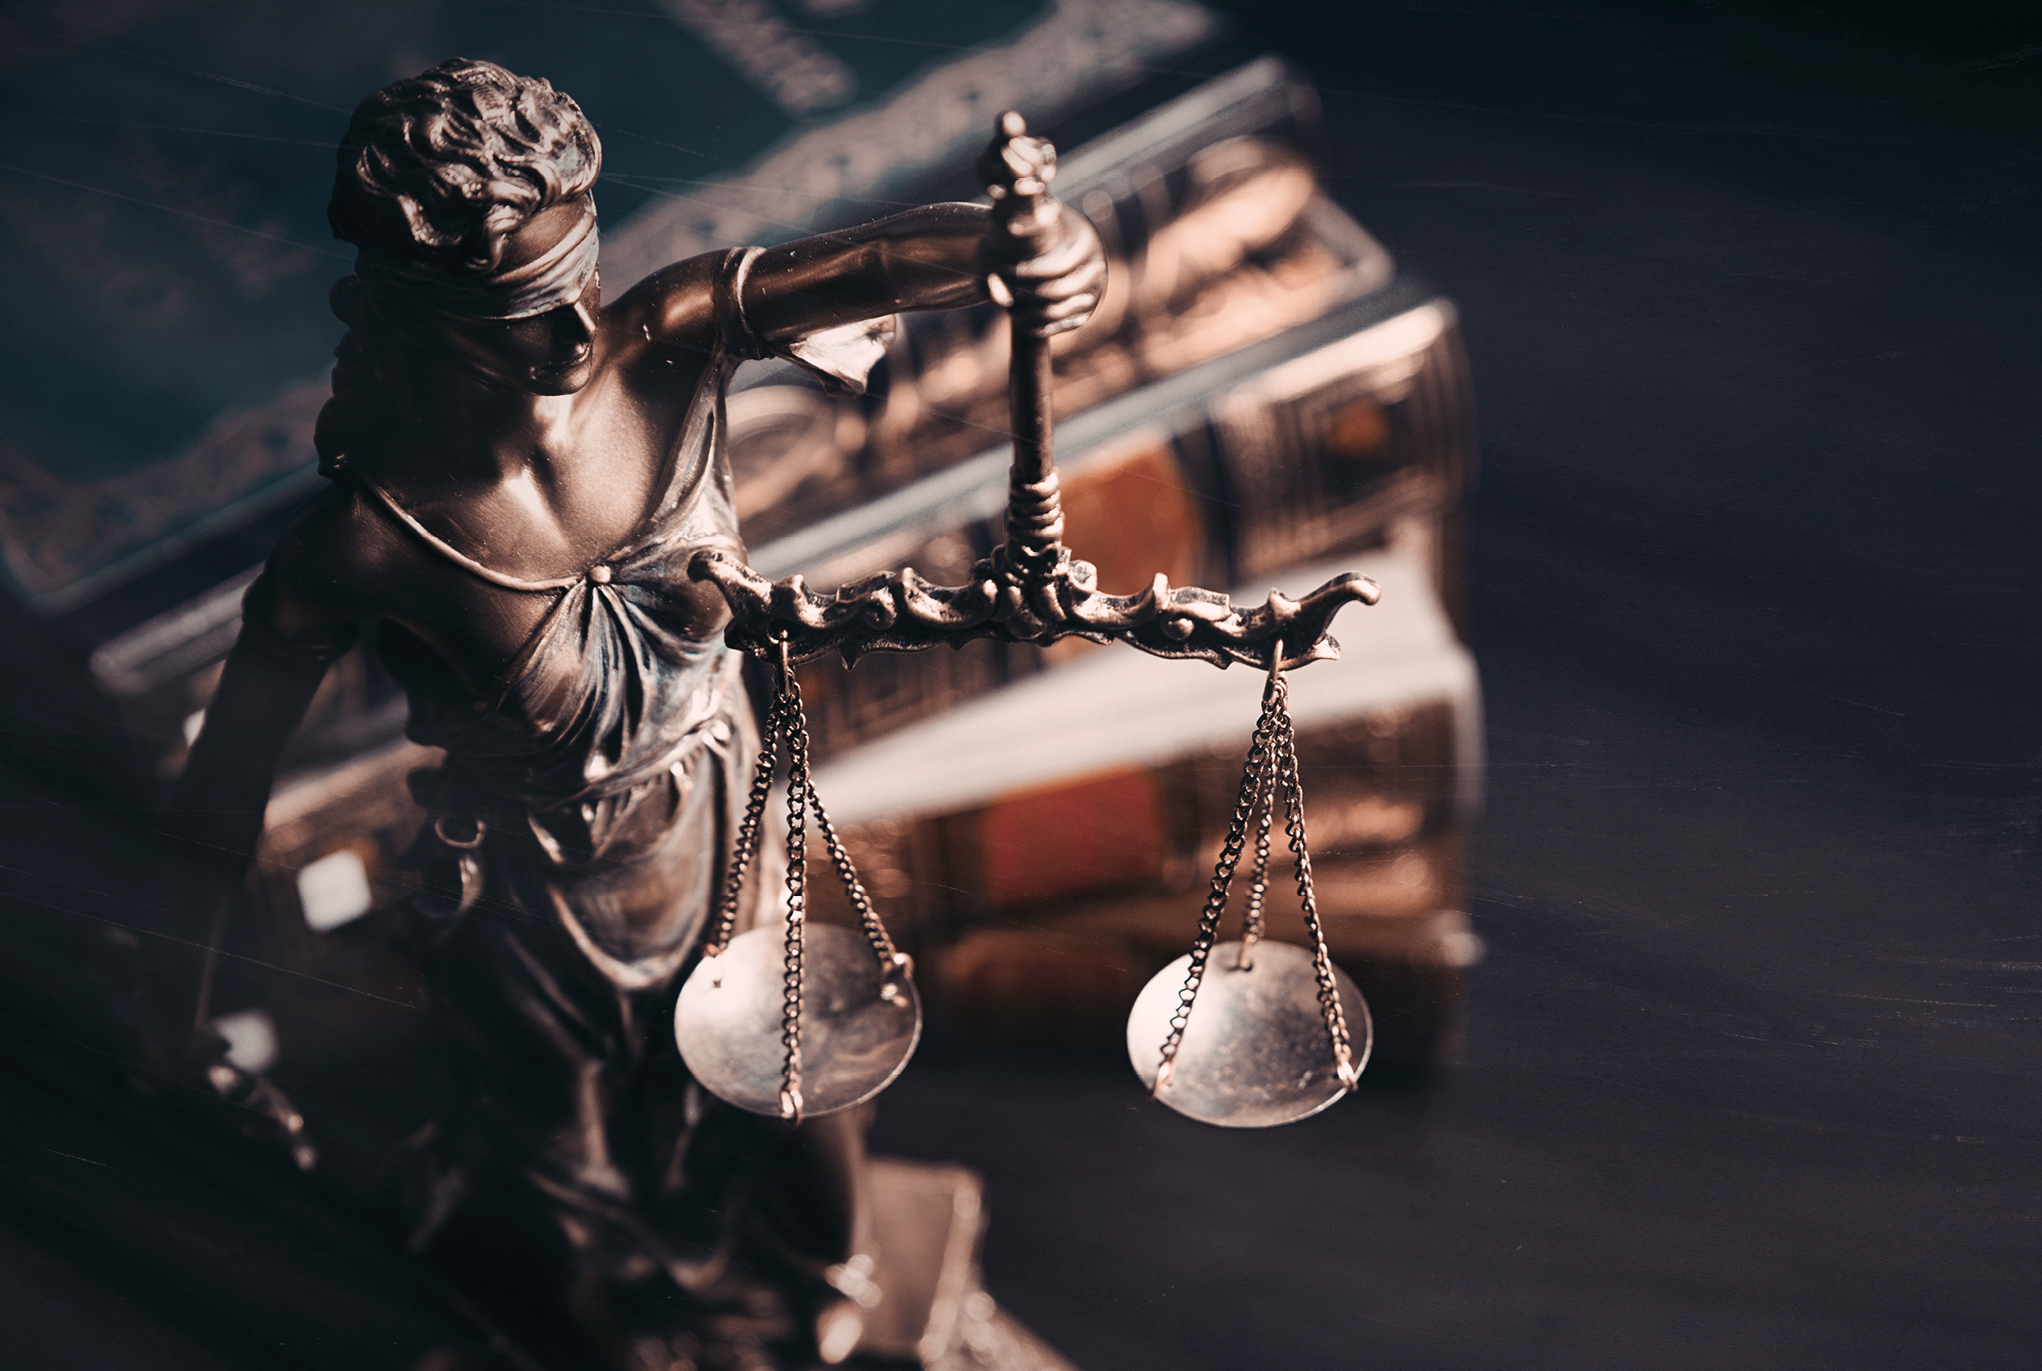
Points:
(677, 307)
(337, 557)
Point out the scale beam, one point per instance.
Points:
(1031, 590)
(901, 612)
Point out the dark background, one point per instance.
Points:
(1750, 1074)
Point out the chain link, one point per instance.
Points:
(786, 720)
(1322, 957)
(1222, 881)
(1272, 768)
(747, 845)
(1258, 876)
(868, 917)
(797, 896)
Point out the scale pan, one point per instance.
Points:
(1256, 1052)
(853, 1042)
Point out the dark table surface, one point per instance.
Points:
(1750, 1075)
(1751, 1072)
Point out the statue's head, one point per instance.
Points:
(466, 193)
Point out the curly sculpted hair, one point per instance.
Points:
(445, 165)
(435, 172)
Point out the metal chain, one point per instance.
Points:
(797, 893)
(868, 917)
(786, 719)
(1222, 880)
(1322, 957)
(747, 845)
(1258, 875)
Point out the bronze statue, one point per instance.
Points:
(521, 476)
(532, 503)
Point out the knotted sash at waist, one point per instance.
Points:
(598, 760)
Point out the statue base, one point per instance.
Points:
(914, 1299)
(929, 1308)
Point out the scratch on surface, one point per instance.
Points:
(1908, 999)
(1494, 185)
(1975, 963)
(243, 958)
(1571, 117)
(1846, 700)
(1769, 1042)
(76, 1158)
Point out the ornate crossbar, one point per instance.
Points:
(1031, 589)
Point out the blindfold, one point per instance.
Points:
(556, 277)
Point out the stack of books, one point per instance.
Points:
(1263, 402)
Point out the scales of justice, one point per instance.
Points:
(800, 1019)
(599, 827)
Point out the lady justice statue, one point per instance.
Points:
(521, 476)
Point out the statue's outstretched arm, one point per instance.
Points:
(936, 257)
(923, 259)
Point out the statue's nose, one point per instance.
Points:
(580, 324)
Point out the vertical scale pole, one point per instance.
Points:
(1017, 170)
